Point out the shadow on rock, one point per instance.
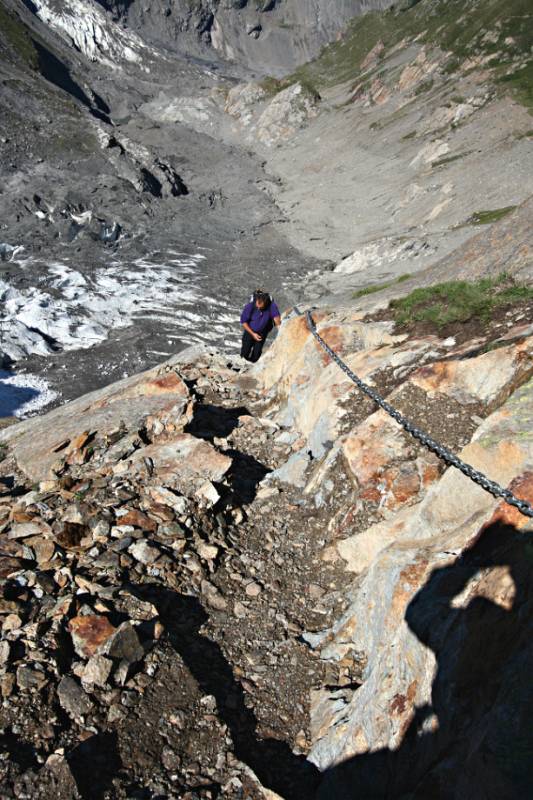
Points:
(276, 766)
(209, 421)
(94, 763)
(482, 694)
(245, 475)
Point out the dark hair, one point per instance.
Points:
(262, 296)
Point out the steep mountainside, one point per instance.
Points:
(265, 35)
(229, 582)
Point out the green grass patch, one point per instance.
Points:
(488, 217)
(378, 287)
(520, 82)
(17, 38)
(458, 301)
(274, 86)
(425, 86)
(525, 135)
(455, 26)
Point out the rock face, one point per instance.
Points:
(152, 399)
(438, 560)
(272, 36)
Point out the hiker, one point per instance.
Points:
(258, 318)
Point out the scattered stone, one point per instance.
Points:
(124, 644)
(253, 589)
(23, 530)
(207, 551)
(208, 494)
(96, 671)
(144, 552)
(4, 653)
(239, 610)
(30, 679)
(316, 591)
(138, 520)
(72, 698)
(213, 596)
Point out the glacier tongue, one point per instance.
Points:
(86, 25)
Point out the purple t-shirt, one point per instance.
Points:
(259, 321)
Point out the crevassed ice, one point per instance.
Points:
(69, 309)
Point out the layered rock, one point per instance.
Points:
(437, 559)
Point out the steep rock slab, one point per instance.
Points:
(156, 398)
(313, 393)
(418, 622)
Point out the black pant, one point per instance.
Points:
(251, 350)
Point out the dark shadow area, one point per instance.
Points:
(30, 6)
(116, 6)
(276, 766)
(482, 694)
(244, 476)
(210, 421)
(94, 763)
(21, 752)
(151, 183)
(12, 397)
(50, 341)
(6, 482)
(100, 103)
(58, 73)
(8, 486)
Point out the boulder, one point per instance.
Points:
(285, 114)
(123, 644)
(182, 463)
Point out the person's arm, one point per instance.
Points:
(275, 315)
(252, 333)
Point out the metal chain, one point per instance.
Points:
(442, 452)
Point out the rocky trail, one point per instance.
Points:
(179, 604)
(160, 632)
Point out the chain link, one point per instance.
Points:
(442, 452)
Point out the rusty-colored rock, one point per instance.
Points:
(138, 520)
(89, 633)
